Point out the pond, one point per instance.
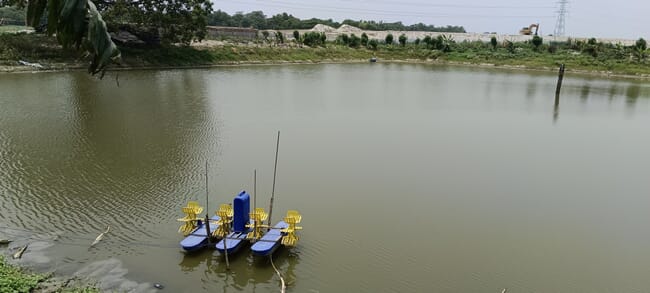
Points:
(409, 178)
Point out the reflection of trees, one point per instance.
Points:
(612, 91)
(584, 92)
(531, 87)
(632, 94)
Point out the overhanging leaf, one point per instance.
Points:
(75, 23)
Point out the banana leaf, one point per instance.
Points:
(77, 23)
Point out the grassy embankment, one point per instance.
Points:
(594, 57)
(15, 280)
(13, 28)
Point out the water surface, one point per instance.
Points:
(410, 178)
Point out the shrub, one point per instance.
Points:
(355, 41)
(641, 44)
(373, 44)
(537, 41)
(313, 39)
(402, 40)
(364, 40)
(389, 39)
(428, 41)
(279, 37)
(510, 46)
(343, 39)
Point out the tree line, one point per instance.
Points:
(284, 21)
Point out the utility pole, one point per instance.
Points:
(561, 18)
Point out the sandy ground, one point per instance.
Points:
(332, 33)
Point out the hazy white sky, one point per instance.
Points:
(586, 18)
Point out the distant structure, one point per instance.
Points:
(561, 14)
(231, 32)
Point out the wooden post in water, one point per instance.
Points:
(225, 251)
(559, 85)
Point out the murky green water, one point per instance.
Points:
(410, 178)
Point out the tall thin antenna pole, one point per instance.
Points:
(255, 204)
(275, 169)
(561, 14)
(207, 208)
(254, 189)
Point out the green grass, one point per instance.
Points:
(13, 279)
(33, 48)
(16, 280)
(13, 28)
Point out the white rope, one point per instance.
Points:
(279, 275)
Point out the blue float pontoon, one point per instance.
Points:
(270, 241)
(198, 238)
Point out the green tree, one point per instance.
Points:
(493, 42)
(220, 18)
(641, 44)
(364, 40)
(373, 44)
(417, 41)
(76, 23)
(177, 21)
(323, 38)
(428, 41)
(313, 39)
(402, 40)
(355, 41)
(389, 39)
(256, 19)
(279, 37)
(343, 39)
(444, 42)
(537, 41)
(265, 35)
(639, 49)
(592, 41)
(296, 36)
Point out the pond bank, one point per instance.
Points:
(60, 67)
(16, 279)
(45, 52)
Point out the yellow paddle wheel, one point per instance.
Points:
(258, 217)
(191, 219)
(290, 238)
(225, 214)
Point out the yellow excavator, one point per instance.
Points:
(529, 30)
